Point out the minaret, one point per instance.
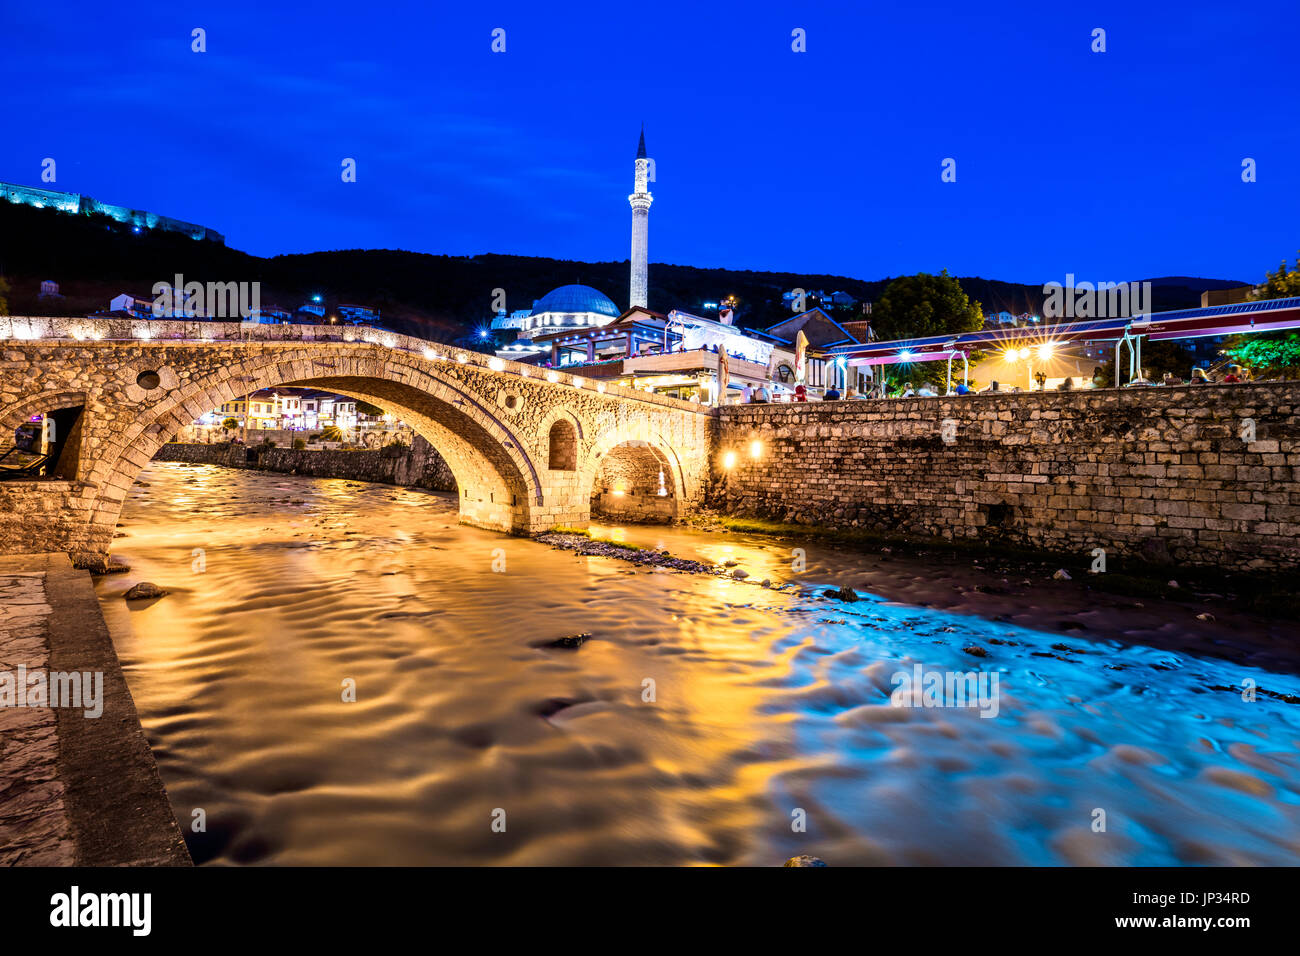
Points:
(640, 201)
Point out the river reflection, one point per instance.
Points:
(766, 702)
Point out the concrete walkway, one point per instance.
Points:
(74, 790)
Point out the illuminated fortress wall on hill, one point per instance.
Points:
(77, 203)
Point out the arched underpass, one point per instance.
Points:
(634, 483)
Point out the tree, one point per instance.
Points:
(1280, 284)
(923, 304)
(1271, 354)
(229, 425)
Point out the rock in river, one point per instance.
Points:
(143, 590)
(569, 642)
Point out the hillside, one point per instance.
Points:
(435, 296)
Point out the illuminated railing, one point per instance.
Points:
(57, 329)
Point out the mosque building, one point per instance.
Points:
(580, 307)
(674, 353)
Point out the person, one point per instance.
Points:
(1067, 385)
(963, 388)
(1232, 378)
(747, 394)
(907, 390)
(925, 391)
(993, 387)
(762, 396)
(1171, 379)
(832, 394)
(800, 393)
(1098, 376)
(1199, 377)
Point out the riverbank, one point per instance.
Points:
(1274, 594)
(416, 465)
(78, 784)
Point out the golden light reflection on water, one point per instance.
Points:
(764, 702)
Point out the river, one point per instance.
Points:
(705, 721)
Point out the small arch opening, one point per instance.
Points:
(563, 446)
(46, 444)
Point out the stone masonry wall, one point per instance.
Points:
(1167, 474)
(420, 465)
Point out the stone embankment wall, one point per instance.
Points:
(419, 465)
(80, 785)
(1206, 475)
(639, 509)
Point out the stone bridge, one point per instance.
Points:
(531, 449)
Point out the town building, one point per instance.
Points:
(296, 410)
(323, 409)
(270, 315)
(349, 314)
(142, 306)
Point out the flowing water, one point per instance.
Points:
(706, 721)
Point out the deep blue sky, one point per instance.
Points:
(1111, 166)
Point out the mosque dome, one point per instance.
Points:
(576, 298)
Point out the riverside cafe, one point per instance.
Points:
(1127, 334)
(675, 354)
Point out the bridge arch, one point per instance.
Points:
(620, 477)
(11, 416)
(498, 483)
(128, 387)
